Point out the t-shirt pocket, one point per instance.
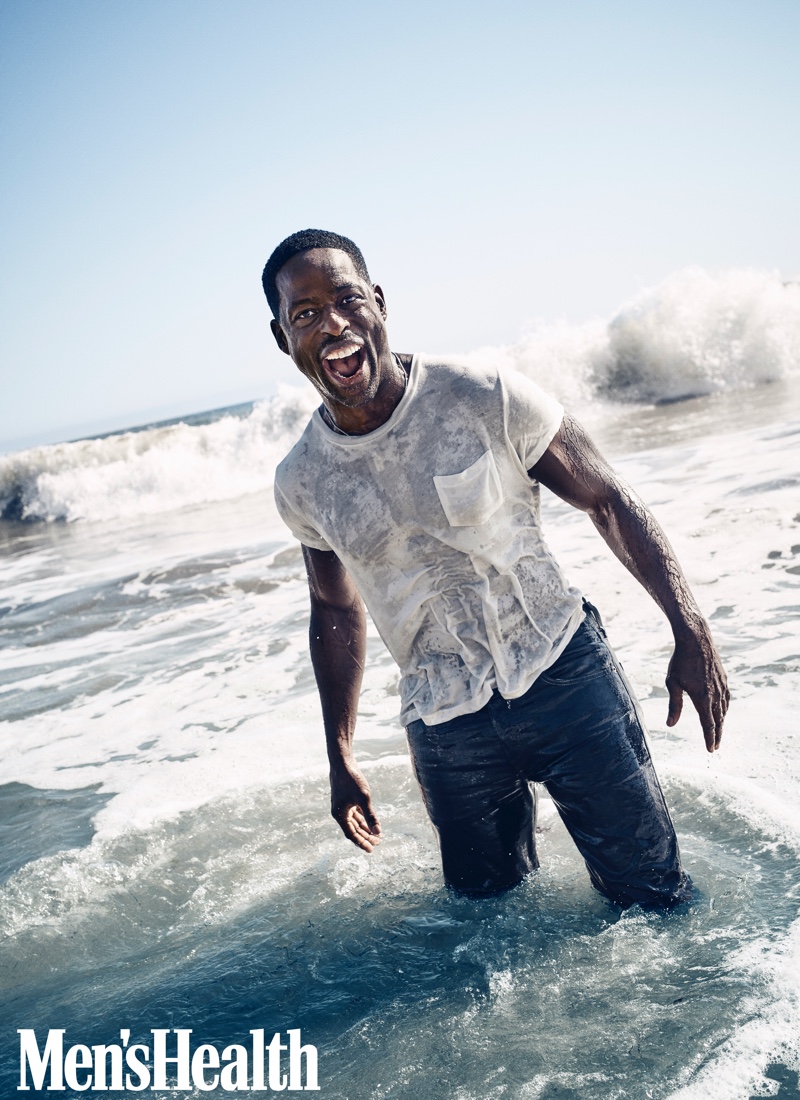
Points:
(471, 497)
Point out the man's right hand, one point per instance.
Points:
(338, 639)
(351, 806)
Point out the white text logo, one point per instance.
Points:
(167, 1064)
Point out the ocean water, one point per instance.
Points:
(168, 857)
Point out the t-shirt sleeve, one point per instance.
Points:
(298, 524)
(532, 416)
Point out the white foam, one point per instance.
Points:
(769, 1032)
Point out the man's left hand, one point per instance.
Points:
(696, 668)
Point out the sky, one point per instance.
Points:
(498, 164)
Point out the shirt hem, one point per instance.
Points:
(470, 706)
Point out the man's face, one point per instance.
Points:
(333, 324)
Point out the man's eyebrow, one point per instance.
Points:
(295, 302)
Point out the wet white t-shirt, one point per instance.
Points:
(434, 516)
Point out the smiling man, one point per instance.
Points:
(415, 487)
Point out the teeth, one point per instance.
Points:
(343, 353)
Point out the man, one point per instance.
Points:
(416, 486)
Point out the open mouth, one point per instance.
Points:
(344, 362)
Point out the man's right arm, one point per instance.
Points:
(337, 639)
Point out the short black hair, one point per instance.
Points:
(302, 241)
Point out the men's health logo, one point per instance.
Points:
(173, 1065)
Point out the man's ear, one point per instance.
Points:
(280, 336)
(380, 299)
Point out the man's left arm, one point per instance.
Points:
(574, 470)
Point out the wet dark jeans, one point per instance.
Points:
(578, 731)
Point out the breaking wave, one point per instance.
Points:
(696, 333)
(154, 470)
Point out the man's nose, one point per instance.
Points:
(334, 323)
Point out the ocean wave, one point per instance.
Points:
(157, 469)
(696, 333)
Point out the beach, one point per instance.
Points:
(169, 857)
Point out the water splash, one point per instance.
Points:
(696, 333)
